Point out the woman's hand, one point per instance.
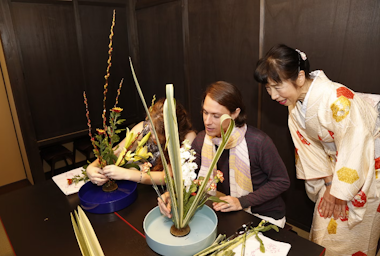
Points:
(115, 172)
(340, 209)
(233, 204)
(165, 205)
(328, 204)
(96, 174)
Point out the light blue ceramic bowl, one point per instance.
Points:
(203, 230)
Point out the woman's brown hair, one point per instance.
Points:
(229, 96)
(183, 120)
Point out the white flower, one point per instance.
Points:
(188, 167)
(185, 155)
(186, 145)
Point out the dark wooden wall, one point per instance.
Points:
(57, 49)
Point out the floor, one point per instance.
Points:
(5, 247)
(14, 186)
(24, 183)
(300, 232)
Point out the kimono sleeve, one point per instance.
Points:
(311, 160)
(351, 122)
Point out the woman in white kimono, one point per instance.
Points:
(335, 133)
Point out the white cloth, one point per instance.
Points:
(272, 247)
(279, 223)
(61, 181)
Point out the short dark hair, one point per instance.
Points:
(281, 63)
(229, 96)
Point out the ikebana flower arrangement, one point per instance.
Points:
(107, 137)
(186, 197)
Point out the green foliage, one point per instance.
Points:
(107, 138)
(225, 246)
(77, 178)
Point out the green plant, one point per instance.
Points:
(106, 138)
(181, 216)
(224, 246)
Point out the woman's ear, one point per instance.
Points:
(301, 79)
(236, 113)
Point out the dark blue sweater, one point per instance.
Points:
(268, 173)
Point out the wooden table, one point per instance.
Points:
(37, 221)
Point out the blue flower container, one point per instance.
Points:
(93, 199)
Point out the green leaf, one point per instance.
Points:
(188, 204)
(89, 234)
(172, 136)
(79, 236)
(119, 131)
(115, 138)
(216, 199)
(120, 121)
(132, 165)
(193, 188)
(168, 179)
(262, 247)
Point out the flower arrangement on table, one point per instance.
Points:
(186, 193)
(107, 137)
(190, 183)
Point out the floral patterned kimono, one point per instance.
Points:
(335, 132)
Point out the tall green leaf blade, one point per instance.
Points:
(171, 132)
(225, 137)
(169, 181)
(89, 233)
(82, 244)
(82, 232)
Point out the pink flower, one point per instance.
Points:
(198, 182)
(219, 175)
(213, 187)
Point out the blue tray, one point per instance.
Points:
(93, 199)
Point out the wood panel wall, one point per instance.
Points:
(56, 49)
